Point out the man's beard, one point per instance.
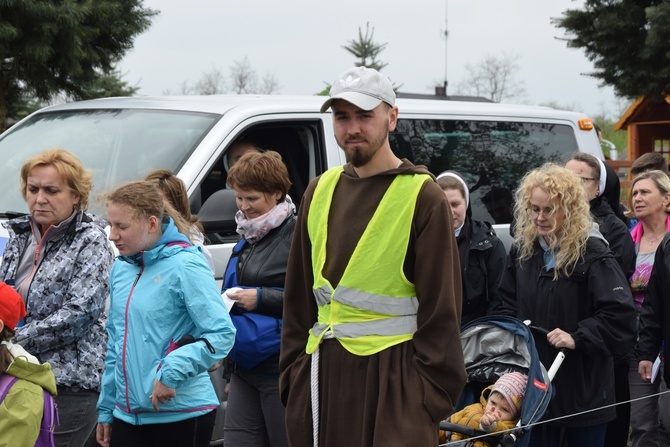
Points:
(360, 157)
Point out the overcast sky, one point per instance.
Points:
(300, 41)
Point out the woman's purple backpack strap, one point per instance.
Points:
(49, 417)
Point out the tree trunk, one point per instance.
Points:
(3, 106)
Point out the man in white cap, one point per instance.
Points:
(371, 353)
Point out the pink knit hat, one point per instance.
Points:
(512, 386)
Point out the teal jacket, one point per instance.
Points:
(21, 411)
(158, 296)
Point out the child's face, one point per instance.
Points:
(498, 407)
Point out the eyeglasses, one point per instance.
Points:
(587, 179)
(535, 212)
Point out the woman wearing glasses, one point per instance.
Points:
(602, 189)
(562, 276)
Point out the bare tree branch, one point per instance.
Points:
(493, 78)
(211, 82)
(243, 77)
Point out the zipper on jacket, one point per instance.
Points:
(29, 280)
(243, 265)
(125, 334)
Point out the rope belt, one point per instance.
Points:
(314, 388)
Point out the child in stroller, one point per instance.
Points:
(497, 410)
(493, 347)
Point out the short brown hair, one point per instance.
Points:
(260, 171)
(649, 162)
(76, 177)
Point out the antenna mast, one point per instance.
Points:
(446, 35)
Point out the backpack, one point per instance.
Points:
(49, 416)
(258, 336)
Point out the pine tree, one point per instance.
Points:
(366, 48)
(627, 41)
(62, 46)
(108, 84)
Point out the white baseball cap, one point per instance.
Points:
(365, 88)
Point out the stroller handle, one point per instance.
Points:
(542, 331)
(558, 361)
(506, 439)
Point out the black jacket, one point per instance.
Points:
(481, 270)
(616, 233)
(263, 265)
(595, 305)
(655, 315)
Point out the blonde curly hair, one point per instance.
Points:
(567, 196)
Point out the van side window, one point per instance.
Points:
(492, 156)
(299, 144)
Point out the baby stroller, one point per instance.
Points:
(493, 346)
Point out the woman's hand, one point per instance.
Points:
(560, 339)
(103, 434)
(245, 298)
(644, 370)
(161, 394)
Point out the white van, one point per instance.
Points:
(120, 139)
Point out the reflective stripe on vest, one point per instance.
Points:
(374, 306)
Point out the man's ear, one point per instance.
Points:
(393, 118)
(2, 325)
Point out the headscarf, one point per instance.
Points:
(468, 209)
(610, 188)
(462, 233)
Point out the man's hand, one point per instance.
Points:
(161, 394)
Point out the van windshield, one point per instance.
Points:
(492, 156)
(118, 145)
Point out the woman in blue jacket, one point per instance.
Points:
(155, 390)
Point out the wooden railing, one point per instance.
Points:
(623, 166)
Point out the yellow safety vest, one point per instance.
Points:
(374, 306)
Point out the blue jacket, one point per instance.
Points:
(157, 296)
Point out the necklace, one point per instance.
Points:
(651, 242)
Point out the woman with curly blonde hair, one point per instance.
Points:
(565, 226)
(562, 276)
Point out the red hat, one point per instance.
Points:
(512, 387)
(12, 308)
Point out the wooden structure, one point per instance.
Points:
(648, 126)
